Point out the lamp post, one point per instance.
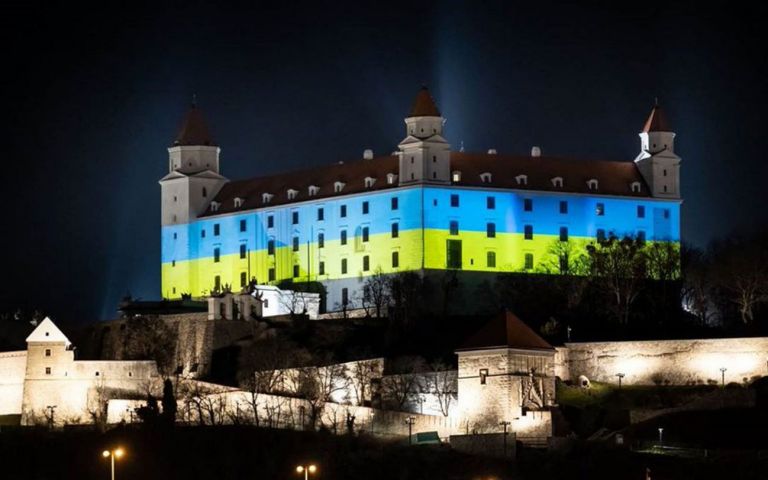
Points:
(306, 470)
(52, 410)
(112, 454)
(505, 424)
(620, 375)
(410, 421)
(661, 435)
(722, 375)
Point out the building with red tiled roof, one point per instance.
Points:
(427, 208)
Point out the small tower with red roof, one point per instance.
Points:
(657, 161)
(424, 153)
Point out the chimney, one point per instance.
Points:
(535, 151)
(491, 151)
(367, 154)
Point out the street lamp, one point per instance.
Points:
(620, 375)
(306, 470)
(661, 435)
(410, 421)
(505, 424)
(112, 454)
(722, 374)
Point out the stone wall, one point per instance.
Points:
(12, 368)
(676, 362)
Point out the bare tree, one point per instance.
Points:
(318, 385)
(404, 383)
(698, 285)
(741, 271)
(375, 293)
(150, 338)
(565, 258)
(442, 383)
(361, 373)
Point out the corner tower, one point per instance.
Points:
(424, 153)
(657, 162)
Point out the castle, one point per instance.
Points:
(425, 208)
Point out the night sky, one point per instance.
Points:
(92, 98)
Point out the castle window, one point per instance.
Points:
(454, 200)
(665, 189)
(434, 158)
(47, 370)
(395, 230)
(344, 296)
(635, 187)
(665, 170)
(490, 260)
(640, 211)
(528, 261)
(242, 250)
(527, 204)
(320, 214)
(343, 211)
(641, 237)
(47, 352)
(456, 176)
(394, 203)
(295, 271)
(320, 240)
(216, 229)
(217, 283)
(490, 203)
(243, 225)
(563, 206)
(271, 247)
(666, 213)
(369, 181)
(365, 207)
(366, 263)
(522, 179)
(215, 206)
(563, 234)
(295, 217)
(243, 279)
(292, 194)
(528, 229)
(313, 190)
(557, 182)
(216, 255)
(202, 233)
(454, 227)
(391, 178)
(338, 186)
(175, 198)
(600, 209)
(175, 235)
(97, 374)
(173, 263)
(485, 177)
(343, 237)
(434, 174)
(395, 259)
(365, 234)
(239, 202)
(343, 265)
(266, 197)
(411, 176)
(600, 235)
(592, 184)
(490, 230)
(483, 376)
(270, 221)
(271, 274)
(295, 244)
(205, 192)
(321, 268)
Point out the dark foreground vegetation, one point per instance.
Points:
(244, 452)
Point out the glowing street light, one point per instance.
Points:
(722, 374)
(620, 375)
(661, 435)
(112, 454)
(306, 470)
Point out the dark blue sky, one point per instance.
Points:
(93, 97)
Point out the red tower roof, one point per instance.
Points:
(424, 105)
(194, 130)
(657, 121)
(506, 331)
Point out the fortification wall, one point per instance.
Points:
(12, 369)
(676, 362)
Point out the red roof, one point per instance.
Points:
(614, 178)
(657, 121)
(506, 331)
(194, 130)
(424, 105)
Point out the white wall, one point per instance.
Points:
(12, 368)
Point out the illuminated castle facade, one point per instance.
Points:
(425, 208)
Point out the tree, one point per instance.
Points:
(564, 258)
(403, 383)
(618, 268)
(362, 373)
(698, 285)
(317, 385)
(375, 293)
(442, 383)
(741, 271)
(150, 338)
(168, 416)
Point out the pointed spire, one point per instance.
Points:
(657, 120)
(194, 130)
(424, 105)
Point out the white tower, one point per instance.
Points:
(424, 153)
(193, 172)
(657, 161)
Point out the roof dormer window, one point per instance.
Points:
(391, 177)
(239, 202)
(592, 184)
(338, 186)
(313, 190)
(456, 176)
(266, 197)
(485, 177)
(292, 194)
(369, 181)
(635, 187)
(557, 182)
(522, 179)
(215, 206)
